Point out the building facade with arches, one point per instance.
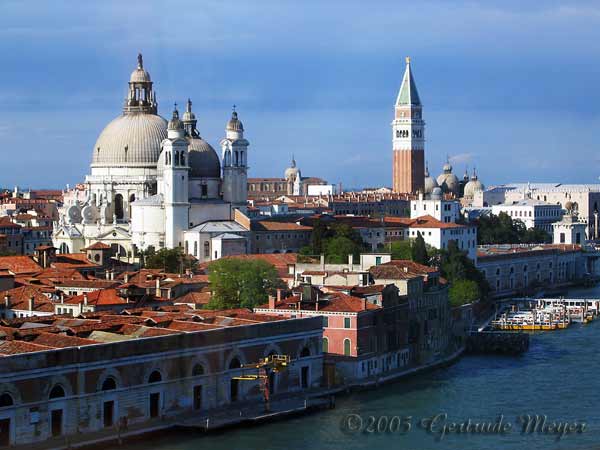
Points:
(72, 385)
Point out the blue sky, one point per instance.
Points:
(510, 89)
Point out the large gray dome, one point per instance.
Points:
(130, 140)
(203, 159)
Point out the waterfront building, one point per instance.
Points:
(364, 328)
(581, 198)
(568, 231)
(152, 180)
(61, 377)
(533, 213)
(408, 138)
(430, 328)
(510, 269)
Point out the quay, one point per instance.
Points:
(500, 342)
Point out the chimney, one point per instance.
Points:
(112, 275)
(278, 295)
(7, 301)
(107, 274)
(157, 288)
(271, 302)
(405, 269)
(85, 298)
(322, 260)
(126, 278)
(350, 262)
(31, 303)
(317, 305)
(62, 297)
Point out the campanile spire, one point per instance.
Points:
(408, 138)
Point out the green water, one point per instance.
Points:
(559, 377)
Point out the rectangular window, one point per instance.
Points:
(325, 321)
(347, 322)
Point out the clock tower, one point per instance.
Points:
(408, 138)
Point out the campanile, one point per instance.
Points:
(408, 138)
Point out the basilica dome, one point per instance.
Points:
(429, 182)
(447, 180)
(203, 159)
(133, 139)
(130, 140)
(292, 171)
(473, 186)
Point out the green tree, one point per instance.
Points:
(241, 283)
(463, 291)
(338, 248)
(502, 229)
(401, 249)
(167, 259)
(419, 251)
(455, 266)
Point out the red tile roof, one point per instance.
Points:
(19, 264)
(100, 297)
(400, 269)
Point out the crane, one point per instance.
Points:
(265, 368)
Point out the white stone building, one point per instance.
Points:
(439, 234)
(568, 231)
(533, 213)
(151, 181)
(446, 211)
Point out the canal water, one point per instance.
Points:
(559, 377)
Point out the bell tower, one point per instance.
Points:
(235, 163)
(408, 138)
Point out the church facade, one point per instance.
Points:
(152, 180)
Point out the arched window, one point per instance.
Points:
(187, 247)
(6, 400)
(109, 384)
(346, 347)
(64, 248)
(196, 249)
(235, 363)
(325, 345)
(206, 249)
(57, 392)
(119, 206)
(155, 377)
(182, 159)
(132, 198)
(305, 352)
(198, 370)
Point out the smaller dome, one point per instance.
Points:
(473, 186)
(429, 182)
(188, 115)
(447, 167)
(234, 123)
(447, 180)
(203, 159)
(436, 193)
(139, 75)
(175, 123)
(292, 171)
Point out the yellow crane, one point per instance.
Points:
(265, 368)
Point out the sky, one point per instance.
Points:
(509, 87)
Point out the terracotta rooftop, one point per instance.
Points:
(98, 298)
(98, 246)
(19, 264)
(401, 269)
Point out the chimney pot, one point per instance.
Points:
(157, 292)
(85, 298)
(7, 301)
(271, 302)
(126, 278)
(31, 303)
(278, 295)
